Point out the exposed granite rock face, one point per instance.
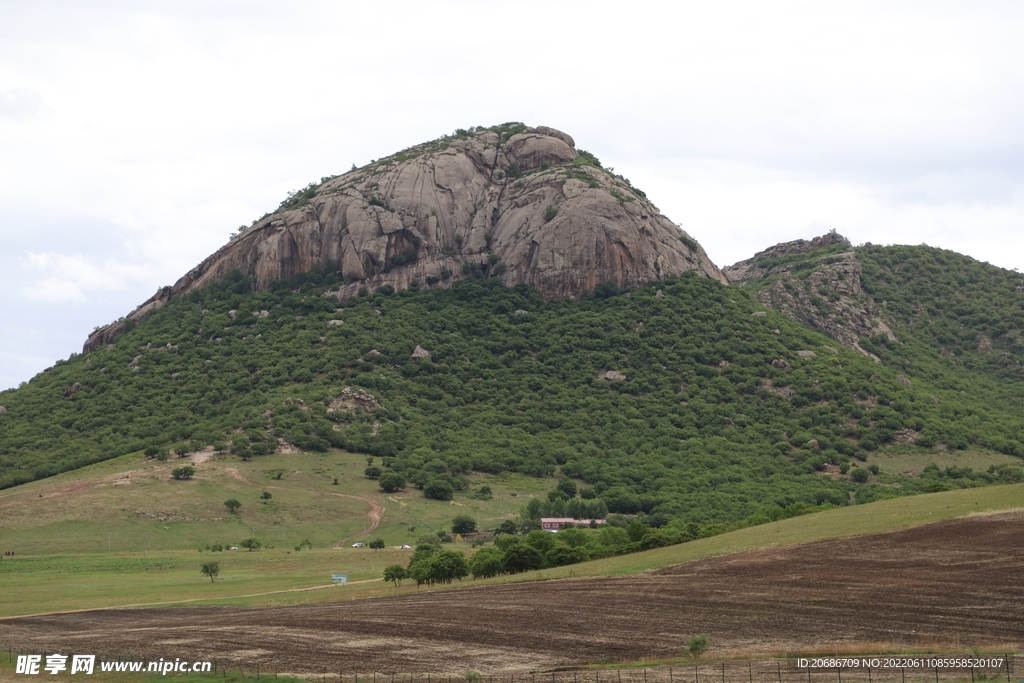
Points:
(516, 203)
(816, 283)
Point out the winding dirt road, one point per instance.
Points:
(374, 516)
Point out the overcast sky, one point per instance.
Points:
(136, 136)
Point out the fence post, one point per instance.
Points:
(696, 674)
(1006, 658)
(750, 672)
(670, 675)
(936, 674)
(723, 673)
(839, 671)
(779, 666)
(869, 673)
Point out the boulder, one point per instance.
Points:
(806, 353)
(813, 443)
(372, 353)
(2, 410)
(903, 380)
(780, 364)
(351, 400)
(420, 352)
(72, 390)
(613, 376)
(335, 323)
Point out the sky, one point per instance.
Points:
(135, 137)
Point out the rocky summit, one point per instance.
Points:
(818, 283)
(513, 202)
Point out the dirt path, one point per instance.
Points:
(374, 516)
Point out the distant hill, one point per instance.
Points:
(663, 390)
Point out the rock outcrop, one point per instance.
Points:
(816, 283)
(516, 203)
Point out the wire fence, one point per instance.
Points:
(848, 669)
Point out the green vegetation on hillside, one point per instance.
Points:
(717, 419)
(960, 322)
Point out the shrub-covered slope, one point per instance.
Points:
(950, 313)
(714, 409)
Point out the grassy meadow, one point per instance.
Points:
(158, 530)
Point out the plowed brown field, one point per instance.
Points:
(959, 579)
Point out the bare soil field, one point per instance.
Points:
(957, 582)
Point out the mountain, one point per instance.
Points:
(919, 309)
(518, 203)
(496, 301)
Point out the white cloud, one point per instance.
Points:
(137, 136)
(66, 278)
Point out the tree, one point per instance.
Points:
(438, 489)
(698, 645)
(210, 569)
(567, 486)
(390, 482)
(446, 566)
(373, 472)
(377, 544)
(186, 472)
(486, 563)
(860, 476)
(251, 544)
(395, 573)
(522, 558)
(181, 450)
(232, 504)
(507, 527)
(561, 554)
(266, 496)
(463, 524)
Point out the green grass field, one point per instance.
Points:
(83, 540)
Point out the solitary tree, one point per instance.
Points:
(266, 496)
(232, 504)
(698, 645)
(373, 472)
(251, 544)
(186, 472)
(211, 569)
(377, 544)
